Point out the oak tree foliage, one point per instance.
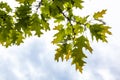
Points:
(21, 22)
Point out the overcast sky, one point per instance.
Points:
(34, 60)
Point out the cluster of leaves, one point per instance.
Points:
(16, 26)
(70, 38)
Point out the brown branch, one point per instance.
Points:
(68, 20)
(39, 5)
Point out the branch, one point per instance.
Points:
(39, 5)
(68, 20)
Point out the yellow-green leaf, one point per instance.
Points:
(68, 55)
(100, 14)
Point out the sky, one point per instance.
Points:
(34, 59)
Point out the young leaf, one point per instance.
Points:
(99, 14)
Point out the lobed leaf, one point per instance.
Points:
(100, 14)
(99, 32)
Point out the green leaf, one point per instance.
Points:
(36, 24)
(81, 42)
(77, 54)
(68, 55)
(59, 18)
(23, 1)
(23, 18)
(78, 29)
(45, 25)
(99, 32)
(54, 10)
(77, 58)
(59, 37)
(58, 27)
(78, 3)
(19, 39)
(100, 14)
(45, 9)
(5, 7)
(68, 30)
(63, 51)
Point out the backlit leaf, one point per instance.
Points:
(100, 14)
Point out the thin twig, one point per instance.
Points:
(39, 5)
(68, 20)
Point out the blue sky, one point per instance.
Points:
(34, 59)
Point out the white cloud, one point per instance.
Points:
(106, 74)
